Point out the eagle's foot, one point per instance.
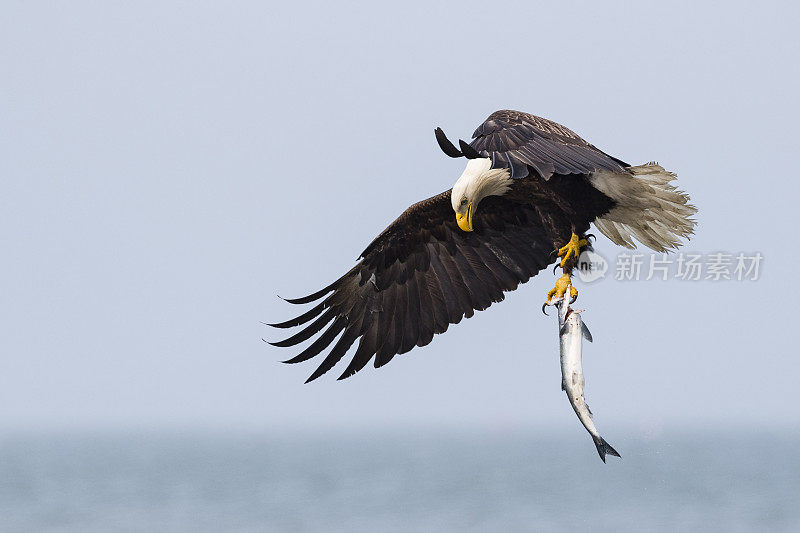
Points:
(563, 284)
(572, 249)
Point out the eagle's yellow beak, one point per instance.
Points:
(464, 220)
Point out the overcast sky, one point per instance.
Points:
(168, 168)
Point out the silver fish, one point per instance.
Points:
(571, 329)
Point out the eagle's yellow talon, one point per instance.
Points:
(571, 249)
(563, 284)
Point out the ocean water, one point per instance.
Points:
(413, 481)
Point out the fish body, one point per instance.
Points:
(571, 332)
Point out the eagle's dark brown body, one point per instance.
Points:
(566, 204)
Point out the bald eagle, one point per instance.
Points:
(529, 192)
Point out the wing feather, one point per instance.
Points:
(366, 348)
(427, 310)
(321, 343)
(416, 278)
(452, 306)
(438, 307)
(398, 322)
(387, 325)
(412, 322)
(309, 331)
(511, 137)
(476, 289)
(459, 284)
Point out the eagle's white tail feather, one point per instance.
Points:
(649, 208)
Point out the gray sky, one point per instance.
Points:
(168, 168)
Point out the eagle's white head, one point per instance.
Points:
(477, 182)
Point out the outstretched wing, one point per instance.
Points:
(517, 140)
(419, 276)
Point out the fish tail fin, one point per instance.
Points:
(604, 448)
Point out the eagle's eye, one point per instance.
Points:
(463, 202)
